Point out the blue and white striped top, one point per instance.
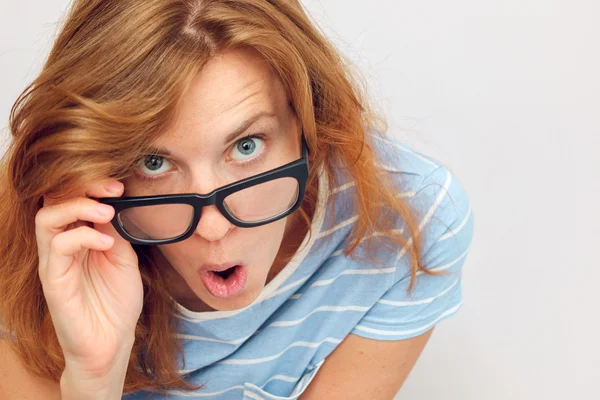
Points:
(273, 348)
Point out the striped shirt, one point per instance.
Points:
(273, 348)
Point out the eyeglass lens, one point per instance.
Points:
(254, 204)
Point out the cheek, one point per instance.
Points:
(267, 236)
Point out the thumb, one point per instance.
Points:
(121, 253)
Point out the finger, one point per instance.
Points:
(121, 251)
(96, 189)
(54, 218)
(67, 244)
(51, 223)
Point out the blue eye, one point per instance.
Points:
(153, 163)
(249, 147)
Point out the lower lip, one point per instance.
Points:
(225, 287)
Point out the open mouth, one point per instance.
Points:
(225, 283)
(226, 273)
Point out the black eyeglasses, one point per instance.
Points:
(250, 202)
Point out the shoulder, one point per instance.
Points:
(430, 187)
(433, 193)
(397, 156)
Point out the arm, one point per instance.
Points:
(16, 382)
(361, 368)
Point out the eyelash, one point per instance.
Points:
(243, 163)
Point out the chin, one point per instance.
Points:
(231, 304)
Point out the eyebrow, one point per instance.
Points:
(237, 132)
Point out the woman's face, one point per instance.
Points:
(198, 157)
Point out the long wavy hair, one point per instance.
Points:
(113, 81)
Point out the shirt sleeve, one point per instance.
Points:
(446, 224)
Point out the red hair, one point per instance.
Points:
(112, 83)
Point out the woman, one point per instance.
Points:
(198, 201)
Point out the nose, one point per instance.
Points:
(212, 225)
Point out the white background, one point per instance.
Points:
(507, 95)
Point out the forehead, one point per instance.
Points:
(230, 88)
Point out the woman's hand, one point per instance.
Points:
(92, 286)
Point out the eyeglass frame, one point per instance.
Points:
(297, 169)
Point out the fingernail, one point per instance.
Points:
(114, 187)
(106, 239)
(104, 209)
